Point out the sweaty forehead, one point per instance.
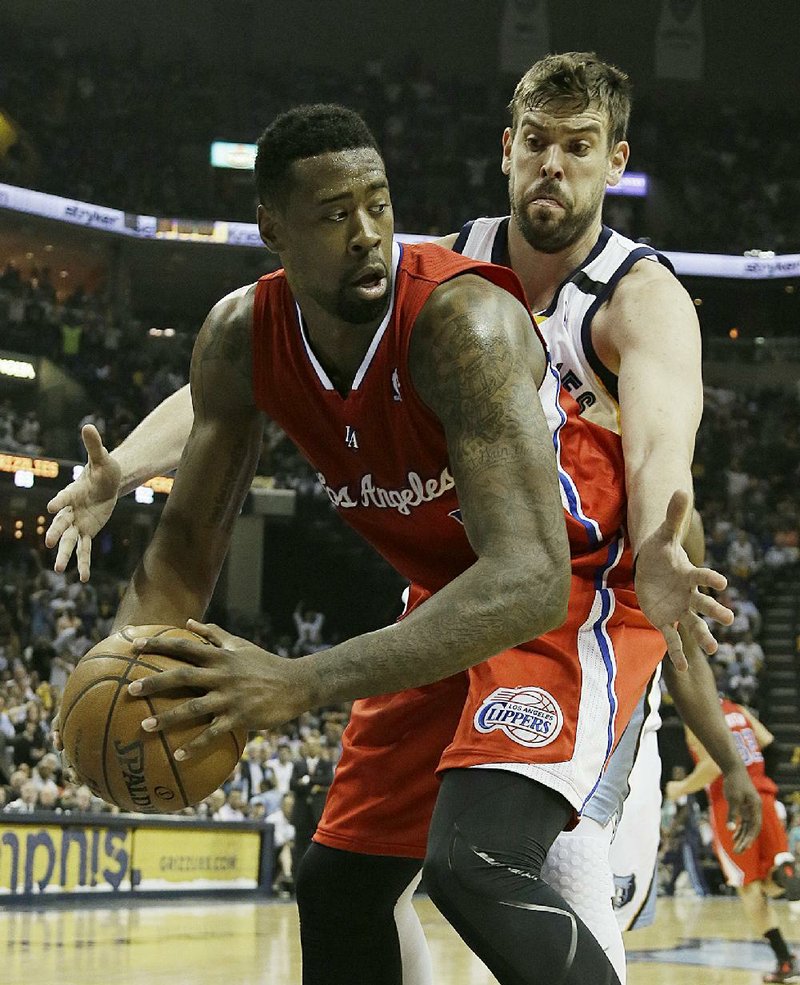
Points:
(338, 173)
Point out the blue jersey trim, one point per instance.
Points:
(597, 249)
(570, 492)
(463, 236)
(610, 380)
(500, 245)
(604, 643)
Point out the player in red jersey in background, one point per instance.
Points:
(410, 381)
(766, 869)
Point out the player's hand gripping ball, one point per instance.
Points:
(104, 743)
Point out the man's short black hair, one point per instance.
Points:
(305, 131)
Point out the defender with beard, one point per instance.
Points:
(623, 335)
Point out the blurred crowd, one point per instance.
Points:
(746, 476)
(724, 173)
(124, 368)
(49, 620)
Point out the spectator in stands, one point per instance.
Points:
(309, 625)
(28, 800)
(29, 744)
(28, 434)
(255, 767)
(741, 556)
(212, 804)
(46, 773)
(284, 835)
(282, 766)
(747, 618)
(269, 796)
(49, 800)
(749, 653)
(6, 727)
(80, 800)
(312, 776)
(233, 809)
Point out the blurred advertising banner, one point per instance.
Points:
(166, 858)
(524, 35)
(62, 859)
(51, 856)
(680, 40)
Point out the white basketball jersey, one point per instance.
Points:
(630, 786)
(566, 323)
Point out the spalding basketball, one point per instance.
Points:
(101, 728)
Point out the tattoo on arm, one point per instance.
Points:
(477, 362)
(224, 339)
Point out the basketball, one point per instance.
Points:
(101, 728)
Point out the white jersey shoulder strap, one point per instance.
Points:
(566, 323)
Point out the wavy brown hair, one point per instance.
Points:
(579, 79)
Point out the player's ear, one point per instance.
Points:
(617, 162)
(269, 228)
(508, 139)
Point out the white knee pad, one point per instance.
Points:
(414, 951)
(577, 867)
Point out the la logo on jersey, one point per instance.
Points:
(350, 438)
(530, 716)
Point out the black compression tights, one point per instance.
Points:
(490, 833)
(347, 925)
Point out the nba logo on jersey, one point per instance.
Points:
(530, 716)
(350, 438)
(396, 394)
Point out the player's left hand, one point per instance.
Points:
(673, 790)
(744, 808)
(668, 586)
(243, 686)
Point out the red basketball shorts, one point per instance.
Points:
(552, 710)
(756, 862)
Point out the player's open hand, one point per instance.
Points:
(241, 686)
(668, 586)
(744, 808)
(83, 507)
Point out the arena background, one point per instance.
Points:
(116, 106)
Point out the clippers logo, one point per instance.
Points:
(130, 759)
(530, 716)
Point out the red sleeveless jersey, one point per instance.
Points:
(381, 454)
(749, 750)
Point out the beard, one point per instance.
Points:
(549, 232)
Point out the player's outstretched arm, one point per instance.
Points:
(653, 335)
(83, 507)
(177, 574)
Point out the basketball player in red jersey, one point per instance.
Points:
(405, 376)
(767, 868)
